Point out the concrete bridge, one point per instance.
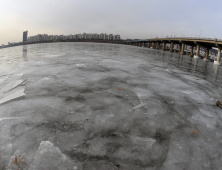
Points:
(206, 43)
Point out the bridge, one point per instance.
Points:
(206, 43)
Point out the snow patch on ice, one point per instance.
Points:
(11, 85)
(80, 65)
(48, 156)
(206, 113)
(15, 95)
(3, 78)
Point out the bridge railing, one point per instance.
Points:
(171, 38)
(197, 38)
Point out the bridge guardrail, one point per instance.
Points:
(196, 38)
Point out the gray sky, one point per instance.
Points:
(129, 18)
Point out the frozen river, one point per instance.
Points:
(91, 106)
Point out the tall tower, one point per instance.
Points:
(25, 36)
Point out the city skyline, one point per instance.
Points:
(46, 37)
(132, 19)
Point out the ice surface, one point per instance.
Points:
(14, 95)
(47, 157)
(80, 65)
(11, 85)
(206, 113)
(17, 161)
(59, 105)
(147, 142)
(102, 106)
(3, 78)
(50, 157)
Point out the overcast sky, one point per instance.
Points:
(130, 18)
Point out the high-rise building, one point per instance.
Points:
(105, 37)
(116, 37)
(84, 36)
(101, 36)
(46, 37)
(79, 36)
(25, 36)
(110, 37)
(39, 37)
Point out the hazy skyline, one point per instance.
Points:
(129, 18)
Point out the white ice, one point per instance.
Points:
(11, 85)
(14, 95)
(107, 106)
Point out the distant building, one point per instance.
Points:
(89, 36)
(84, 35)
(39, 38)
(25, 36)
(55, 37)
(79, 36)
(116, 37)
(110, 37)
(60, 37)
(70, 36)
(105, 37)
(45, 37)
(50, 37)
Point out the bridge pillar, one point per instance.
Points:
(143, 44)
(198, 51)
(182, 49)
(148, 45)
(218, 56)
(171, 47)
(163, 46)
(207, 54)
(139, 44)
(152, 45)
(191, 52)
